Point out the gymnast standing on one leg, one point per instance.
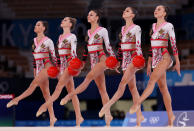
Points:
(42, 46)
(162, 32)
(130, 47)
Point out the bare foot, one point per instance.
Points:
(140, 120)
(103, 111)
(12, 103)
(171, 121)
(52, 122)
(42, 109)
(79, 120)
(134, 108)
(108, 119)
(65, 99)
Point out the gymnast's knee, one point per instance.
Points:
(90, 76)
(124, 81)
(152, 80)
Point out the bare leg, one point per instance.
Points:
(96, 71)
(100, 82)
(166, 98)
(155, 76)
(64, 79)
(75, 101)
(128, 75)
(135, 96)
(44, 86)
(39, 78)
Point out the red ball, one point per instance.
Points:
(52, 71)
(72, 71)
(138, 61)
(111, 62)
(75, 63)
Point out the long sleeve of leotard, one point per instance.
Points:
(138, 41)
(172, 39)
(52, 52)
(107, 42)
